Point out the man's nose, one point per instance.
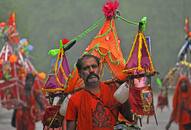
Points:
(91, 69)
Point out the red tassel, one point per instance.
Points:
(110, 8)
(12, 21)
(186, 27)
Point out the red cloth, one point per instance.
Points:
(27, 115)
(24, 117)
(24, 120)
(182, 103)
(181, 127)
(162, 100)
(90, 112)
(141, 100)
(51, 117)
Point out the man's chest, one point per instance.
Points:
(102, 115)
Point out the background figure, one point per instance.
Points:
(181, 113)
(26, 115)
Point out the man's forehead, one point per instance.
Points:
(88, 60)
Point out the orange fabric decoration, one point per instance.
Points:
(1, 61)
(13, 58)
(72, 81)
(42, 75)
(106, 46)
(189, 34)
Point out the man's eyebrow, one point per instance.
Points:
(90, 65)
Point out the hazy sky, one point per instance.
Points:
(45, 22)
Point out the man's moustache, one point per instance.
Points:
(92, 74)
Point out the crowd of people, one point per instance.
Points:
(94, 106)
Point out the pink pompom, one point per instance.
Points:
(110, 8)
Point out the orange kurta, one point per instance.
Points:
(90, 112)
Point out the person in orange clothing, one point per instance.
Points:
(94, 107)
(181, 113)
(25, 115)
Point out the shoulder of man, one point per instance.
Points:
(77, 94)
